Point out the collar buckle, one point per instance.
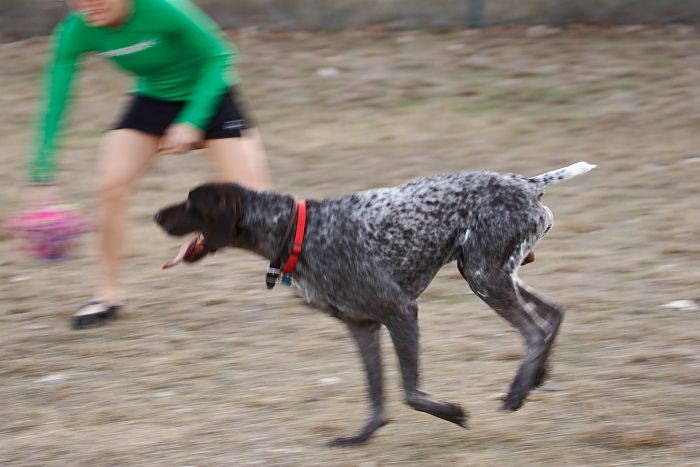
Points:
(272, 276)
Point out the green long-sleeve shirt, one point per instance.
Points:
(174, 49)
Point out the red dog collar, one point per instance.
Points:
(274, 271)
(298, 238)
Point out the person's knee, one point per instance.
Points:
(113, 191)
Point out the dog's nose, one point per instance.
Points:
(156, 218)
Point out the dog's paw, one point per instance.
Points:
(348, 441)
(513, 402)
(362, 437)
(457, 415)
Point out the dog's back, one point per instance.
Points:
(413, 229)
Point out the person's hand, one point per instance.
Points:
(179, 138)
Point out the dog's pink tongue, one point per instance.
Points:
(183, 251)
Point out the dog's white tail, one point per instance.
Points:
(541, 182)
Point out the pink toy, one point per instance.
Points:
(49, 233)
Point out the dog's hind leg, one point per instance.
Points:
(493, 278)
(498, 290)
(553, 314)
(403, 328)
(366, 335)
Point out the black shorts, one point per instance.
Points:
(153, 116)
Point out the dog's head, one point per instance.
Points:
(211, 214)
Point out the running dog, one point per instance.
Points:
(366, 257)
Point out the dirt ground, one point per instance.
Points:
(208, 368)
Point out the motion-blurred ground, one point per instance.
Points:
(208, 368)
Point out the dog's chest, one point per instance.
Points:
(315, 298)
(331, 301)
(312, 295)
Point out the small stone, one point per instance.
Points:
(20, 278)
(684, 305)
(405, 39)
(55, 378)
(329, 381)
(542, 31)
(632, 28)
(327, 72)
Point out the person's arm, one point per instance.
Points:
(217, 58)
(57, 78)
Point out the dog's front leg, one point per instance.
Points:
(366, 336)
(403, 327)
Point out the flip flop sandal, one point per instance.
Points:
(94, 313)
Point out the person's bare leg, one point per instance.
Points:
(241, 160)
(124, 156)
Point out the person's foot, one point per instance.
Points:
(94, 313)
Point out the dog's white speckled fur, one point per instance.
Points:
(369, 255)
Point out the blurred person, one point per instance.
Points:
(185, 97)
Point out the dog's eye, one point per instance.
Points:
(190, 210)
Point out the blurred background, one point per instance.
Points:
(30, 17)
(208, 368)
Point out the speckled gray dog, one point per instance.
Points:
(368, 256)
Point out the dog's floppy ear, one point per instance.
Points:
(220, 208)
(227, 211)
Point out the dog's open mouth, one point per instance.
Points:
(192, 250)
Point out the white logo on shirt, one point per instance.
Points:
(234, 125)
(138, 47)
